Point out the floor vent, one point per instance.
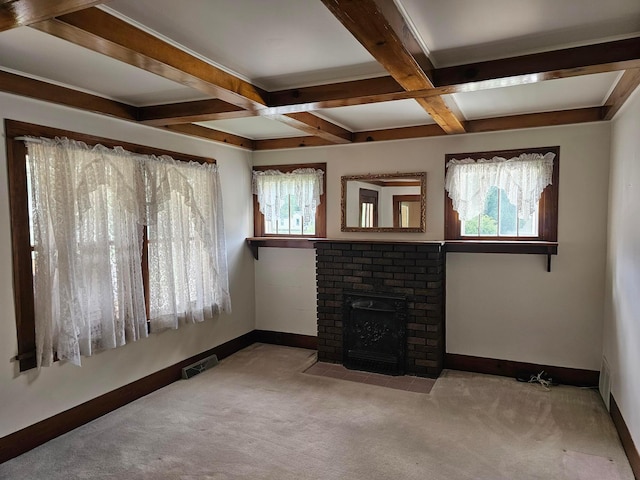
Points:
(198, 367)
(605, 382)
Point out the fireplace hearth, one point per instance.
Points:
(374, 336)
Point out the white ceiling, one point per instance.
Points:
(255, 128)
(30, 51)
(275, 44)
(279, 44)
(466, 31)
(376, 116)
(560, 94)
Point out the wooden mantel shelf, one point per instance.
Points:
(472, 246)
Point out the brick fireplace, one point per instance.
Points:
(413, 271)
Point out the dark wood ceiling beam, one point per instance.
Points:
(533, 120)
(316, 126)
(564, 63)
(103, 33)
(31, 88)
(190, 112)
(369, 25)
(563, 117)
(17, 13)
(622, 91)
(68, 97)
(568, 62)
(211, 134)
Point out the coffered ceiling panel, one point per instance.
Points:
(561, 94)
(374, 116)
(465, 31)
(255, 128)
(273, 43)
(37, 54)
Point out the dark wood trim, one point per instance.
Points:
(190, 112)
(533, 120)
(321, 211)
(603, 57)
(206, 133)
(354, 92)
(548, 207)
(510, 368)
(625, 437)
(313, 125)
(297, 340)
(14, 128)
(585, 60)
(622, 91)
(22, 261)
(291, 142)
(18, 13)
(381, 29)
(30, 437)
(254, 243)
(519, 247)
(48, 92)
(397, 200)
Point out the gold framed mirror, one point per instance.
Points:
(386, 202)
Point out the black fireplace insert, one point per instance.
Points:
(374, 332)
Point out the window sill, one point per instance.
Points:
(471, 246)
(492, 246)
(255, 243)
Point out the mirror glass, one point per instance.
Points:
(384, 202)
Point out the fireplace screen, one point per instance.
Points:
(374, 333)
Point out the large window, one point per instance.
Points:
(109, 243)
(289, 200)
(502, 195)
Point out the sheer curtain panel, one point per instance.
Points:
(89, 207)
(87, 237)
(523, 179)
(274, 187)
(188, 280)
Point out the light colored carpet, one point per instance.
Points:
(257, 416)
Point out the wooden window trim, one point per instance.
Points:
(368, 196)
(19, 218)
(321, 211)
(548, 207)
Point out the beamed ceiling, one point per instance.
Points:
(269, 74)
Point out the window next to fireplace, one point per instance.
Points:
(374, 333)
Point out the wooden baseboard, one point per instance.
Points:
(508, 368)
(625, 437)
(287, 339)
(30, 437)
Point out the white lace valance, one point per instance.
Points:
(522, 178)
(273, 188)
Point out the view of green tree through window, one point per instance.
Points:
(500, 219)
(291, 220)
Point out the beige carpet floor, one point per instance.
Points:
(258, 416)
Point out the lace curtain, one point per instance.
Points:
(522, 178)
(273, 188)
(187, 254)
(88, 207)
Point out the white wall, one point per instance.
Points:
(622, 313)
(33, 396)
(498, 306)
